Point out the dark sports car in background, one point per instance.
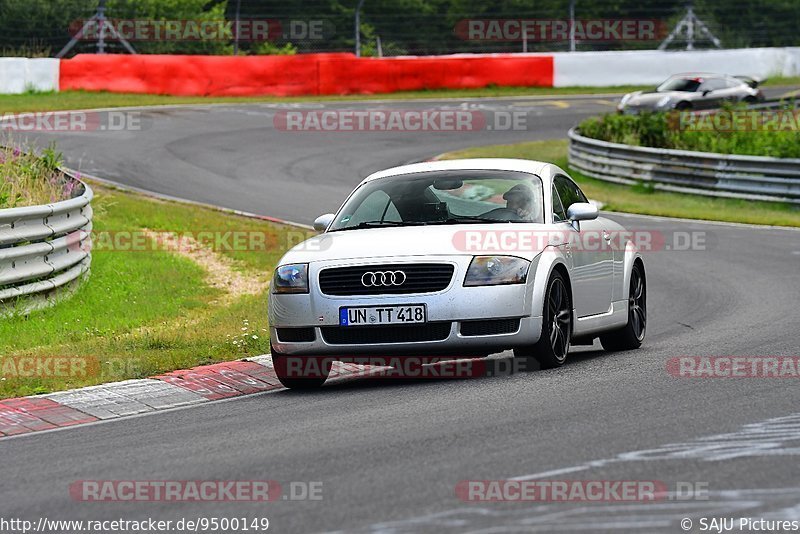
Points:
(693, 91)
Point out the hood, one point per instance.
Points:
(517, 239)
(651, 98)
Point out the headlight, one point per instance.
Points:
(663, 102)
(496, 270)
(292, 278)
(625, 99)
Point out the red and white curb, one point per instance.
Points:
(134, 397)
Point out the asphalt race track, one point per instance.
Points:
(390, 452)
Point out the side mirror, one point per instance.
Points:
(582, 211)
(322, 222)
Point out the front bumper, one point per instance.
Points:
(455, 344)
(315, 317)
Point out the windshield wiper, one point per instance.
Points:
(467, 219)
(371, 224)
(378, 224)
(450, 220)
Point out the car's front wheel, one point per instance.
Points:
(632, 334)
(300, 372)
(553, 345)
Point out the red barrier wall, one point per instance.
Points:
(305, 74)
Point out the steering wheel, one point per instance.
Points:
(502, 214)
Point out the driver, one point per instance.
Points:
(519, 205)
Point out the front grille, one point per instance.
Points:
(296, 335)
(367, 335)
(420, 278)
(489, 328)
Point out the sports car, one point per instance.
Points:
(457, 259)
(693, 91)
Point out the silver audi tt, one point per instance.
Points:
(457, 259)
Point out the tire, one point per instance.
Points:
(553, 345)
(683, 106)
(632, 334)
(314, 369)
(750, 100)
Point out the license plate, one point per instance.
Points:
(377, 315)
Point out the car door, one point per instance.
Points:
(713, 91)
(592, 256)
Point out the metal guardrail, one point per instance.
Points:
(705, 173)
(44, 248)
(777, 103)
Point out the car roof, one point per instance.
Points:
(700, 75)
(478, 164)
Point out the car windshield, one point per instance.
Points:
(445, 197)
(688, 85)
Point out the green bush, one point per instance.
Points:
(701, 133)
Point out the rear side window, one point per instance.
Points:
(568, 192)
(713, 84)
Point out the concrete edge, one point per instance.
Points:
(136, 397)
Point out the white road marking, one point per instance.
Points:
(766, 438)
(663, 516)
(772, 437)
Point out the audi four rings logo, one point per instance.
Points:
(383, 278)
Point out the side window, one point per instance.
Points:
(568, 191)
(376, 207)
(730, 83)
(559, 214)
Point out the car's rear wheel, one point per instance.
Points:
(632, 334)
(553, 345)
(300, 372)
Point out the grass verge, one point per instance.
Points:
(150, 306)
(777, 81)
(642, 200)
(66, 100)
(53, 101)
